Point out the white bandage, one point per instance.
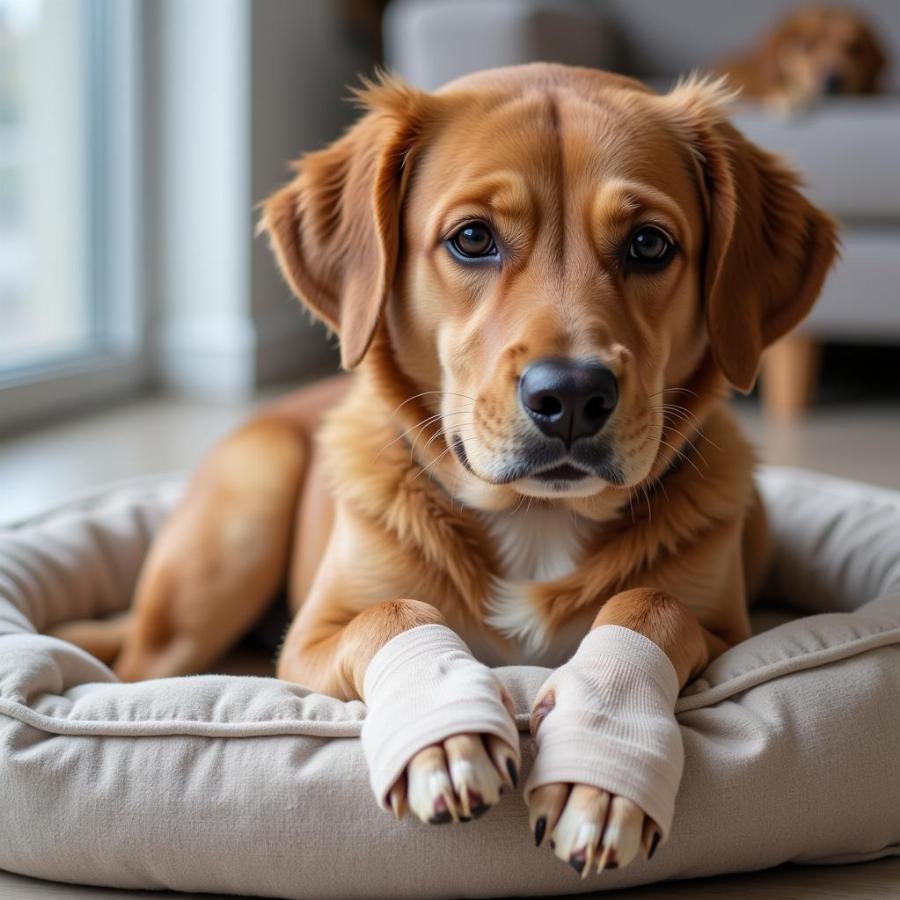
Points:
(424, 686)
(613, 723)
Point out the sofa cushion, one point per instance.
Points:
(846, 148)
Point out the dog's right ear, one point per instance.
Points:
(335, 228)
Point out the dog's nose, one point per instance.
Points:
(568, 399)
(832, 83)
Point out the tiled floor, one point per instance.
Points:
(154, 435)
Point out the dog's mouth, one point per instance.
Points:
(560, 471)
(565, 472)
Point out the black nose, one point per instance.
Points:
(832, 83)
(568, 399)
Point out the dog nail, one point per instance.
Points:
(653, 845)
(444, 811)
(576, 861)
(465, 818)
(513, 772)
(440, 819)
(602, 862)
(552, 844)
(539, 828)
(479, 811)
(472, 803)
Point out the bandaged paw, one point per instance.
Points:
(422, 690)
(606, 719)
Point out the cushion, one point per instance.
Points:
(819, 143)
(237, 784)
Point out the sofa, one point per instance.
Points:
(847, 148)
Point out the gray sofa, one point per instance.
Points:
(847, 148)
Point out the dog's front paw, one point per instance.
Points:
(587, 825)
(439, 735)
(455, 780)
(609, 752)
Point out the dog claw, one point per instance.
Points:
(504, 761)
(430, 791)
(589, 834)
(397, 800)
(445, 806)
(589, 828)
(649, 838)
(623, 831)
(460, 779)
(472, 804)
(607, 860)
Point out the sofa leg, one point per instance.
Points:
(790, 370)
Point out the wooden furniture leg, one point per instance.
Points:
(790, 370)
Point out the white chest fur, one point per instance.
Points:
(536, 545)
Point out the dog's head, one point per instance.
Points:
(825, 50)
(547, 251)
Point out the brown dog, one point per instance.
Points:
(815, 51)
(545, 279)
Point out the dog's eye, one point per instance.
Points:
(473, 241)
(650, 248)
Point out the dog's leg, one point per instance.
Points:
(607, 718)
(102, 638)
(221, 556)
(439, 734)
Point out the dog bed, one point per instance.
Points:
(237, 784)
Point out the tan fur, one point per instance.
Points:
(378, 524)
(790, 66)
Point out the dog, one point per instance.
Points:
(545, 280)
(816, 51)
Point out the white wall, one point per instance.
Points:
(301, 66)
(236, 90)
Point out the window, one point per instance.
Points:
(68, 319)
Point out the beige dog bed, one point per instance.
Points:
(248, 785)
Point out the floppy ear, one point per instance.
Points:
(768, 248)
(876, 62)
(335, 229)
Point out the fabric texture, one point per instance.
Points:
(254, 786)
(423, 686)
(613, 724)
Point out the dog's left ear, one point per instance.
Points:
(335, 229)
(876, 61)
(768, 248)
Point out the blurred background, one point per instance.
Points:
(139, 317)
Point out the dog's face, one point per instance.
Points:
(819, 51)
(553, 253)
(549, 285)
